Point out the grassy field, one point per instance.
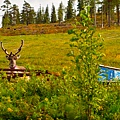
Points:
(111, 46)
(48, 51)
(39, 51)
(75, 95)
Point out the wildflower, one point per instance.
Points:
(100, 108)
(46, 99)
(12, 89)
(9, 100)
(9, 110)
(23, 90)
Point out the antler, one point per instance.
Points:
(19, 47)
(4, 49)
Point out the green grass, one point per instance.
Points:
(39, 51)
(48, 51)
(111, 47)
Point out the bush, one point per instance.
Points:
(41, 97)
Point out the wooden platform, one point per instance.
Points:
(13, 73)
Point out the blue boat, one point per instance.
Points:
(109, 73)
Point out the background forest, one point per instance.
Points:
(104, 13)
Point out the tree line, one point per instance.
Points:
(108, 11)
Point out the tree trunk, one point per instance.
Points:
(109, 14)
(118, 19)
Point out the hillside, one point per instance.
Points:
(35, 29)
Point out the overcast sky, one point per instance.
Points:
(34, 3)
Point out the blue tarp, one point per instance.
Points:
(109, 73)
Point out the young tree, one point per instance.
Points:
(60, 12)
(46, 16)
(53, 15)
(86, 53)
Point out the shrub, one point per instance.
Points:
(86, 52)
(86, 59)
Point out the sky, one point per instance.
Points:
(34, 3)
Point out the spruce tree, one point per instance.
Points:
(15, 14)
(43, 14)
(5, 20)
(28, 14)
(39, 17)
(60, 12)
(53, 15)
(6, 7)
(46, 16)
(69, 12)
(32, 16)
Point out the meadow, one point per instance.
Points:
(49, 51)
(77, 94)
(111, 47)
(46, 51)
